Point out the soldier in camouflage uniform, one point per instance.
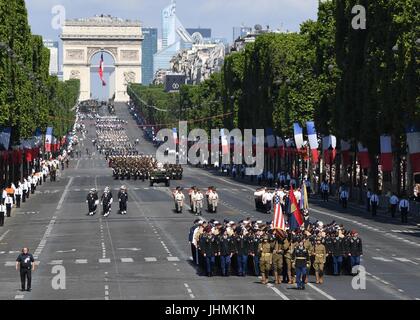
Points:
(266, 259)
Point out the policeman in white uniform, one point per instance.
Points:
(344, 196)
(18, 194)
(2, 214)
(9, 203)
(374, 203)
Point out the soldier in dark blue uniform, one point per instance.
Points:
(242, 252)
(92, 201)
(337, 252)
(123, 198)
(354, 249)
(254, 242)
(226, 251)
(209, 248)
(106, 201)
(301, 262)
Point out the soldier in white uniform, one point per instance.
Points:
(9, 203)
(18, 194)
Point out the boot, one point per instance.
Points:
(263, 278)
(289, 276)
(317, 277)
(276, 278)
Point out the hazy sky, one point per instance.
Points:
(220, 15)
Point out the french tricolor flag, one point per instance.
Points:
(48, 139)
(225, 144)
(101, 70)
(175, 136)
(345, 152)
(298, 135)
(413, 141)
(363, 156)
(386, 154)
(329, 145)
(313, 141)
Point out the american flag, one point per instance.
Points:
(278, 220)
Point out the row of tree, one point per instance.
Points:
(29, 97)
(356, 83)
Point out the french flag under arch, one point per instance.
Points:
(386, 154)
(313, 141)
(101, 70)
(413, 141)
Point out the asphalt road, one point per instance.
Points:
(146, 254)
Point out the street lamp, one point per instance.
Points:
(395, 47)
(288, 81)
(330, 67)
(278, 82)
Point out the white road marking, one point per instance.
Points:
(172, 258)
(321, 292)
(405, 260)
(19, 296)
(81, 261)
(54, 262)
(382, 259)
(107, 260)
(10, 263)
(4, 235)
(127, 260)
(150, 259)
(277, 291)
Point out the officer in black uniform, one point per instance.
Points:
(122, 198)
(337, 251)
(106, 201)
(301, 260)
(92, 201)
(354, 249)
(209, 248)
(226, 250)
(25, 264)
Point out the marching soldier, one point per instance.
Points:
(265, 259)
(92, 200)
(2, 214)
(18, 194)
(226, 251)
(179, 200)
(254, 242)
(280, 246)
(9, 203)
(106, 201)
(242, 252)
(355, 250)
(310, 248)
(24, 190)
(209, 248)
(301, 262)
(337, 251)
(320, 255)
(212, 199)
(123, 198)
(288, 256)
(198, 200)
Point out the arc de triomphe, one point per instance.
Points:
(122, 39)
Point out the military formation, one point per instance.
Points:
(141, 167)
(289, 256)
(196, 199)
(112, 139)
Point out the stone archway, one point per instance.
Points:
(83, 38)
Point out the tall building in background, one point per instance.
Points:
(239, 32)
(150, 47)
(205, 32)
(53, 47)
(174, 38)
